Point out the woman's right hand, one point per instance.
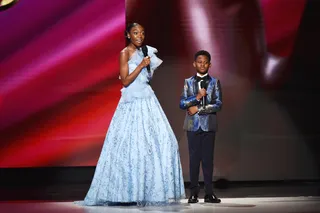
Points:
(145, 62)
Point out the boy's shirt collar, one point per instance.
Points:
(202, 76)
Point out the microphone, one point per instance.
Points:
(145, 53)
(203, 99)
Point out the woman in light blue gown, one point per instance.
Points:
(140, 160)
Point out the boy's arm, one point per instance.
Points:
(217, 103)
(185, 101)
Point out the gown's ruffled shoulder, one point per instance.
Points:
(155, 62)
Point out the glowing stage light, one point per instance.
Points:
(6, 4)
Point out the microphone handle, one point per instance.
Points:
(204, 101)
(145, 53)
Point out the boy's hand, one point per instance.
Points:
(202, 92)
(192, 110)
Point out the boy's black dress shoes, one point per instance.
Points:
(193, 199)
(211, 199)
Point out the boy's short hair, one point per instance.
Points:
(202, 52)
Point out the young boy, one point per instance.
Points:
(202, 98)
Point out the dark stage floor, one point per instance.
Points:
(245, 197)
(69, 192)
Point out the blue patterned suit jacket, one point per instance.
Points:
(206, 118)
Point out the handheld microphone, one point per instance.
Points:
(145, 53)
(203, 99)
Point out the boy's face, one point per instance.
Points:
(202, 64)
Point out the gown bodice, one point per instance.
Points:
(140, 87)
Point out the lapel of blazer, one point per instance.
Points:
(210, 89)
(194, 86)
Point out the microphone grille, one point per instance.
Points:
(144, 50)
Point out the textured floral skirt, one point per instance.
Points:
(140, 161)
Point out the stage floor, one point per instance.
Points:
(228, 205)
(244, 198)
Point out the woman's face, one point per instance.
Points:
(136, 35)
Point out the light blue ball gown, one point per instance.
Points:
(140, 160)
